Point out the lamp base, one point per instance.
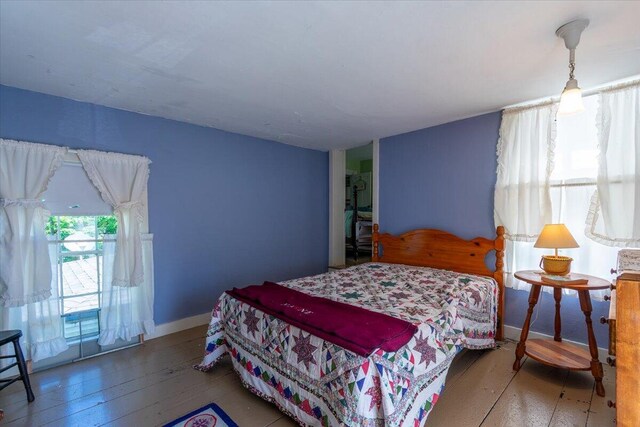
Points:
(556, 264)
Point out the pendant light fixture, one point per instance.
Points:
(571, 98)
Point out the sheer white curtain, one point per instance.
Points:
(40, 322)
(122, 182)
(614, 217)
(25, 171)
(28, 292)
(571, 186)
(127, 294)
(522, 202)
(127, 311)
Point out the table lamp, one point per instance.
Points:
(556, 236)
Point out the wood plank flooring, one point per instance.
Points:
(154, 383)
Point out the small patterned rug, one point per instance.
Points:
(207, 416)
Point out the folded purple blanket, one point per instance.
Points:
(353, 328)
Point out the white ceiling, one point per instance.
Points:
(314, 74)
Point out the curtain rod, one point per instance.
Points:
(588, 92)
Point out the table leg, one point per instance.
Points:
(596, 366)
(533, 300)
(557, 295)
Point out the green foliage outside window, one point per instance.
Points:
(107, 224)
(71, 224)
(91, 227)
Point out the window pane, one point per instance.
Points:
(81, 228)
(81, 325)
(79, 275)
(576, 150)
(87, 302)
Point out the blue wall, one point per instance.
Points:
(225, 209)
(444, 177)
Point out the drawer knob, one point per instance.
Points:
(604, 320)
(611, 361)
(614, 271)
(611, 404)
(607, 298)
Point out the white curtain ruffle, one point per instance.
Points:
(126, 311)
(25, 267)
(522, 203)
(40, 322)
(614, 214)
(122, 182)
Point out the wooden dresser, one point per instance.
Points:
(625, 346)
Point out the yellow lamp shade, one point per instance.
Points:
(555, 236)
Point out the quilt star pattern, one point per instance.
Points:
(320, 383)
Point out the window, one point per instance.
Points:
(78, 228)
(78, 242)
(573, 182)
(80, 290)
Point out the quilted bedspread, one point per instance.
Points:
(320, 383)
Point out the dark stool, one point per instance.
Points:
(14, 336)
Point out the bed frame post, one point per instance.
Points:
(498, 275)
(376, 235)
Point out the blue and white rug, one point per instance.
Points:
(207, 416)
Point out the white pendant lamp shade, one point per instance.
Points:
(571, 98)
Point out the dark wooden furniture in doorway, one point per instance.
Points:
(7, 337)
(555, 352)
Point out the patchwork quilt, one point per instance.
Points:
(319, 383)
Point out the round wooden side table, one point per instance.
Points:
(555, 352)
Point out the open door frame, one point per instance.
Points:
(337, 173)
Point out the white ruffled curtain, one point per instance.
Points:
(28, 279)
(40, 322)
(25, 171)
(522, 201)
(127, 311)
(127, 296)
(122, 182)
(614, 216)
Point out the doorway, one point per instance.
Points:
(358, 205)
(360, 167)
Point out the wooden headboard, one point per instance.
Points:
(439, 249)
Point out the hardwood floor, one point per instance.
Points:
(154, 383)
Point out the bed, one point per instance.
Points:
(430, 278)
